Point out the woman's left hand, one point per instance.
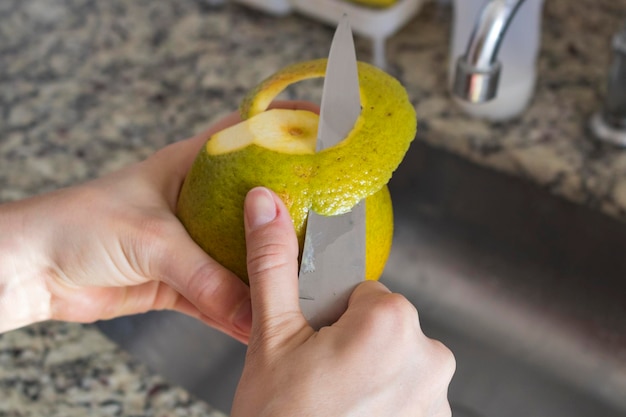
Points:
(112, 247)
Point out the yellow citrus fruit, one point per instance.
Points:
(276, 149)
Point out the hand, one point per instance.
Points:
(113, 246)
(374, 361)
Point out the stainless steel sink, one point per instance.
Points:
(528, 290)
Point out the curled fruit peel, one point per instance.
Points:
(341, 176)
(329, 182)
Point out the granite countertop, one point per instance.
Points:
(88, 87)
(71, 370)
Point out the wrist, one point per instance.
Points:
(24, 297)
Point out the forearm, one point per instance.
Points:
(24, 298)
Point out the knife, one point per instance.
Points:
(333, 257)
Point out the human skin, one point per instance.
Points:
(374, 361)
(113, 246)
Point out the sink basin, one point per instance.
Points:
(528, 291)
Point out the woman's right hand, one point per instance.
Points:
(374, 361)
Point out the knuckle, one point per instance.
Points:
(398, 308)
(206, 282)
(443, 359)
(153, 230)
(267, 257)
(149, 240)
(449, 363)
(394, 313)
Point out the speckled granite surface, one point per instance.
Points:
(67, 370)
(87, 87)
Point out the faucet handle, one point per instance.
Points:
(616, 91)
(609, 124)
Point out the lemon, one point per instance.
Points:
(276, 149)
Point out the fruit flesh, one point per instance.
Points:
(285, 131)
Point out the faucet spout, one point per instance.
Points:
(478, 71)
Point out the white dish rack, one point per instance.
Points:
(374, 23)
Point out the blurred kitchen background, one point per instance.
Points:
(510, 234)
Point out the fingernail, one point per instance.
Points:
(243, 317)
(260, 207)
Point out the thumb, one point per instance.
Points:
(272, 249)
(221, 297)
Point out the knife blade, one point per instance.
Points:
(333, 258)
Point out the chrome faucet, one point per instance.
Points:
(609, 124)
(477, 72)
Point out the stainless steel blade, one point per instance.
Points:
(333, 259)
(341, 99)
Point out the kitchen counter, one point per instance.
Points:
(88, 87)
(71, 370)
